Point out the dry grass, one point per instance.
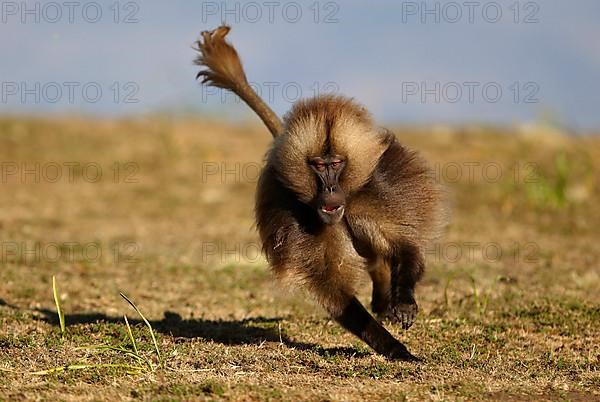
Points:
(522, 326)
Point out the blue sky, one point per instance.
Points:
(411, 62)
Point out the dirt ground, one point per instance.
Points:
(162, 210)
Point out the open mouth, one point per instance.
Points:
(331, 209)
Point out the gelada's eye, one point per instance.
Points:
(320, 166)
(336, 164)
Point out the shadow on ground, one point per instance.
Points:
(228, 332)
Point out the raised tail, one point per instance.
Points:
(224, 70)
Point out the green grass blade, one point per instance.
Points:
(446, 287)
(475, 294)
(61, 315)
(135, 349)
(85, 366)
(147, 324)
(102, 348)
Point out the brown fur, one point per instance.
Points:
(224, 70)
(393, 207)
(393, 203)
(350, 128)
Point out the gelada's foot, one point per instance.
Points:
(404, 314)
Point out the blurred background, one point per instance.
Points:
(415, 62)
